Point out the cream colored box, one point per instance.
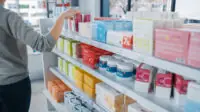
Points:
(85, 29)
(109, 97)
(143, 31)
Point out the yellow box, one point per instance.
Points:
(79, 84)
(89, 91)
(79, 74)
(61, 44)
(90, 80)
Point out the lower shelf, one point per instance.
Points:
(60, 107)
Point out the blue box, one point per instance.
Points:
(100, 28)
(122, 25)
(192, 106)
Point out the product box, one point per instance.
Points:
(194, 49)
(65, 67)
(163, 84)
(143, 31)
(79, 74)
(127, 102)
(145, 76)
(76, 50)
(121, 39)
(180, 91)
(193, 98)
(100, 29)
(135, 107)
(85, 29)
(79, 84)
(71, 69)
(89, 91)
(68, 46)
(122, 25)
(51, 84)
(60, 64)
(109, 98)
(90, 80)
(60, 44)
(172, 45)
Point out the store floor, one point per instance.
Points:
(38, 101)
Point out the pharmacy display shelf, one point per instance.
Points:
(186, 71)
(60, 107)
(71, 84)
(147, 100)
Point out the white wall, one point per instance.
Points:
(188, 8)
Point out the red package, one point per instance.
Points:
(87, 18)
(181, 84)
(164, 80)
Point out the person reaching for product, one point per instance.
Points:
(15, 34)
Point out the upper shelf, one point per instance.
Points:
(183, 70)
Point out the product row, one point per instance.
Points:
(163, 35)
(147, 79)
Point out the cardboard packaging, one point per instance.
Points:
(193, 98)
(172, 45)
(194, 49)
(163, 84)
(90, 80)
(145, 76)
(71, 69)
(61, 44)
(135, 107)
(127, 102)
(85, 29)
(75, 50)
(120, 39)
(60, 64)
(79, 74)
(79, 84)
(89, 91)
(181, 87)
(143, 31)
(68, 46)
(109, 98)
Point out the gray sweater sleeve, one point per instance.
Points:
(24, 33)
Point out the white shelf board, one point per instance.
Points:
(183, 70)
(147, 100)
(60, 107)
(71, 84)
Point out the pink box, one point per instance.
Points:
(172, 45)
(194, 50)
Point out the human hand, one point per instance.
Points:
(70, 13)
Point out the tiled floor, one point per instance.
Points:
(38, 101)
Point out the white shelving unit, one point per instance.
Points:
(60, 107)
(183, 70)
(147, 100)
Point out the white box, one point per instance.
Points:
(180, 99)
(143, 31)
(142, 87)
(85, 29)
(162, 92)
(137, 108)
(109, 98)
(194, 92)
(118, 38)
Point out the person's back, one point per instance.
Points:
(13, 55)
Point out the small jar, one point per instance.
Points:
(112, 66)
(124, 71)
(103, 62)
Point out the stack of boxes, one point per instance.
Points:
(57, 89)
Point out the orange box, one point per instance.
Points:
(90, 80)
(79, 84)
(64, 88)
(58, 94)
(79, 74)
(89, 91)
(50, 84)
